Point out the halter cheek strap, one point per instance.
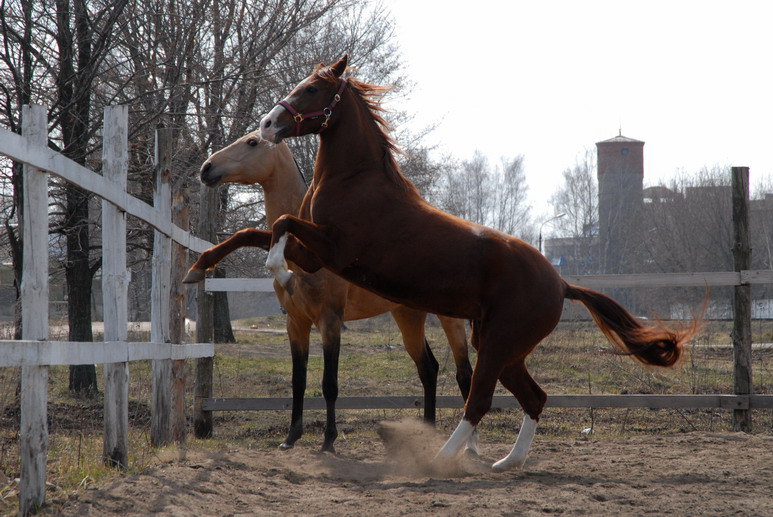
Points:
(326, 112)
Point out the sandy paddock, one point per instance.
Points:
(686, 474)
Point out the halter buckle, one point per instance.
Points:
(298, 118)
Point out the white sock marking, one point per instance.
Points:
(517, 456)
(472, 443)
(458, 438)
(276, 262)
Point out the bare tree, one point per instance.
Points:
(494, 197)
(511, 210)
(577, 199)
(19, 59)
(688, 226)
(207, 70)
(54, 56)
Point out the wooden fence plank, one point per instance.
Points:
(115, 283)
(264, 285)
(502, 401)
(34, 295)
(697, 279)
(723, 278)
(13, 146)
(49, 353)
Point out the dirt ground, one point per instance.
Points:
(684, 474)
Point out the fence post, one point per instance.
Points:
(160, 432)
(742, 314)
(115, 282)
(34, 300)
(177, 309)
(202, 420)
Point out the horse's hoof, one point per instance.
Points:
(284, 446)
(505, 464)
(194, 276)
(328, 448)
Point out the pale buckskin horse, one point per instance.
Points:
(322, 298)
(369, 225)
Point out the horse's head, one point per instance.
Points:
(248, 160)
(310, 107)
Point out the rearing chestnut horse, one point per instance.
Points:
(321, 299)
(369, 225)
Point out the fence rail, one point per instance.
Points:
(699, 279)
(502, 401)
(65, 353)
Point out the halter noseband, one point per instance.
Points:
(326, 112)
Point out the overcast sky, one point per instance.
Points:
(548, 79)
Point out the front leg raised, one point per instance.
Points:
(311, 250)
(277, 264)
(249, 237)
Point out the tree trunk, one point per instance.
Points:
(83, 378)
(223, 331)
(75, 122)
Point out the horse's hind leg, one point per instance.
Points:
(411, 325)
(330, 329)
(484, 380)
(456, 333)
(532, 399)
(298, 330)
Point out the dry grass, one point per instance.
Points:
(574, 359)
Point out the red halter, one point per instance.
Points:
(326, 111)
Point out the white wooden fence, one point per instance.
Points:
(739, 401)
(35, 353)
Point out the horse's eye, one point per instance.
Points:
(252, 142)
(311, 89)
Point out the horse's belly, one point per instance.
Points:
(445, 296)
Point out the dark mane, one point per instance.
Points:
(370, 96)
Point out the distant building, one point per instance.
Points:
(697, 218)
(621, 179)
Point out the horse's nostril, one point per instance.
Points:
(205, 168)
(267, 124)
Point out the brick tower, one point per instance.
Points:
(621, 176)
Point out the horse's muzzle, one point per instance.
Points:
(207, 177)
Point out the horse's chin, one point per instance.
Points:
(211, 182)
(274, 136)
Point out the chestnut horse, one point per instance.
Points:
(369, 225)
(322, 298)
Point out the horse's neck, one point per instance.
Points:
(284, 190)
(354, 149)
(350, 143)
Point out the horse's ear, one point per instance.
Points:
(340, 65)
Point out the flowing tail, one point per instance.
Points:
(655, 345)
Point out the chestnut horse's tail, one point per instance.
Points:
(655, 345)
